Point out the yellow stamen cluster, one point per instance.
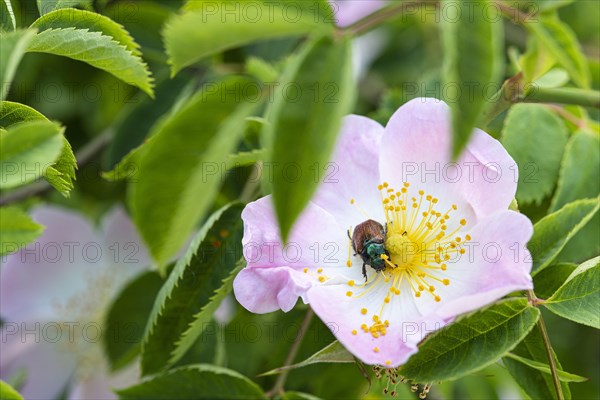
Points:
(420, 240)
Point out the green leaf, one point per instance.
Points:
(333, 353)
(472, 56)
(128, 167)
(536, 61)
(298, 396)
(562, 375)
(61, 174)
(261, 69)
(194, 290)
(309, 119)
(535, 137)
(14, 46)
(179, 171)
(7, 20)
(579, 171)
(562, 43)
(127, 318)
(200, 382)
(578, 299)
(553, 232)
(210, 26)
(17, 229)
(93, 39)
(8, 393)
(27, 150)
(549, 279)
(472, 342)
(245, 158)
(46, 6)
(537, 384)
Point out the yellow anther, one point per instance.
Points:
(348, 263)
(350, 283)
(421, 192)
(463, 222)
(437, 298)
(349, 294)
(468, 237)
(428, 197)
(386, 300)
(320, 270)
(379, 187)
(305, 270)
(363, 311)
(385, 184)
(432, 288)
(446, 282)
(375, 318)
(418, 294)
(458, 239)
(351, 201)
(454, 207)
(388, 362)
(321, 279)
(434, 201)
(385, 201)
(376, 349)
(406, 184)
(425, 213)
(444, 267)
(354, 332)
(421, 288)
(403, 190)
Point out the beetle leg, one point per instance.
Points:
(364, 271)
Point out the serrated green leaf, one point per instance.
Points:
(579, 171)
(97, 50)
(333, 353)
(61, 174)
(562, 375)
(179, 173)
(578, 299)
(47, 6)
(472, 342)
(200, 382)
(208, 27)
(550, 279)
(309, 120)
(127, 317)
(7, 392)
(535, 138)
(194, 289)
(472, 55)
(7, 21)
(553, 232)
(538, 385)
(27, 150)
(14, 46)
(17, 230)
(561, 41)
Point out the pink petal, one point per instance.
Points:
(275, 275)
(53, 268)
(347, 12)
(47, 367)
(100, 386)
(416, 147)
(125, 247)
(342, 314)
(496, 264)
(353, 174)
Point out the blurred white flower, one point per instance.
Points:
(54, 296)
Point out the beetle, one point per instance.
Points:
(368, 240)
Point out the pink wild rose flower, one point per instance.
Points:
(54, 295)
(451, 245)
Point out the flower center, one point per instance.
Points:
(420, 240)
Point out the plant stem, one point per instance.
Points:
(375, 19)
(248, 192)
(546, 339)
(83, 156)
(580, 97)
(280, 382)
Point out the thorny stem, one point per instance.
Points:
(280, 382)
(546, 339)
(83, 156)
(378, 17)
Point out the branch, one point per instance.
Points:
(280, 382)
(546, 339)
